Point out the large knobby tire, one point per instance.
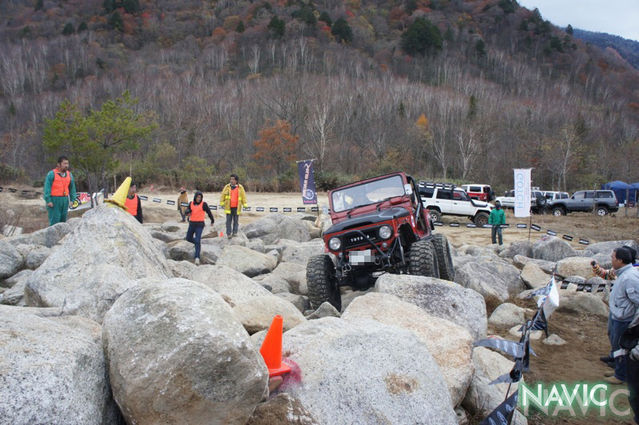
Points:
(480, 219)
(444, 259)
(322, 283)
(422, 259)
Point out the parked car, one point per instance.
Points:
(446, 199)
(482, 192)
(552, 195)
(602, 201)
(379, 226)
(537, 200)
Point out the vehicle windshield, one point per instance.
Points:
(367, 193)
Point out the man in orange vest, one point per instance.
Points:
(133, 204)
(195, 211)
(233, 199)
(59, 188)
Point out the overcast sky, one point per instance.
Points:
(618, 17)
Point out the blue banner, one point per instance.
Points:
(307, 181)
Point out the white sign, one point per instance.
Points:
(522, 192)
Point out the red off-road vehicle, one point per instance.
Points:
(379, 225)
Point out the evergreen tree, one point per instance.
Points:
(39, 5)
(82, 27)
(480, 47)
(108, 5)
(569, 29)
(131, 6)
(410, 6)
(342, 31)
(324, 16)
(240, 27)
(68, 29)
(421, 37)
(115, 21)
(277, 27)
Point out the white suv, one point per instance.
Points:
(537, 200)
(445, 199)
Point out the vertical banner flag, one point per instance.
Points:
(307, 181)
(522, 192)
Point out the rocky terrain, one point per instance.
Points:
(107, 321)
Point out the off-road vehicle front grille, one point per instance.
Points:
(355, 239)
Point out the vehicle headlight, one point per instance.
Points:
(334, 244)
(385, 232)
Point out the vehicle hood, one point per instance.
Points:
(368, 219)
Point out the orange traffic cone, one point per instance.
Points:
(119, 197)
(271, 349)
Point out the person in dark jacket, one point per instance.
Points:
(195, 211)
(133, 204)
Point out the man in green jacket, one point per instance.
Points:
(59, 187)
(497, 218)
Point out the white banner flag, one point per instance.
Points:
(522, 192)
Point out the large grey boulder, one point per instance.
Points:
(34, 255)
(552, 248)
(533, 276)
(256, 314)
(10, 259)
(494, 280)
(176, 355)
(185, 251)
(96, 263)
(48, 236)
(440, 298)
(450, 345)
(365, 372)
(276, 283)
(281, 409)
(482, 398)
(300, 302)
(276, 226)
(295, 252)
(183, 269)
(520, 261)
(524, 248)
(53, 371)
(246, 261)
(15, 294)
(507, 315)
(295, 275)
(605, 248)
(575, 266)
(580, 302)
(234, 286)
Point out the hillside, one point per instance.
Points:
(628, 49)
(498, 87)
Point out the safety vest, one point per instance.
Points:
(197, 212)
(132, 205)
(60, 185)
(235, 194)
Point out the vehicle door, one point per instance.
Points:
(444, 200)
(462, 204)
(581, 200)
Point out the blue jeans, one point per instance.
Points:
(194, 235)
(616, 328)
(234, 219)
(496, 230)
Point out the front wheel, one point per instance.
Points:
(558, 211)
(422, 259)
(601, 211)
(322, 282)
(435, 216)
(481, 219)
(444, 259)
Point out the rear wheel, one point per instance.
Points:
(601, 211)
(422, 259)
(322, 283)
(444, 259)
(558, 211)
(435, 216)
(480, 219)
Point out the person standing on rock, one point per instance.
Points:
(496, 219)
(233, 199)
(133, 204)
(59, 188)
(182, 199)
(195, 211)
(624, 305)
